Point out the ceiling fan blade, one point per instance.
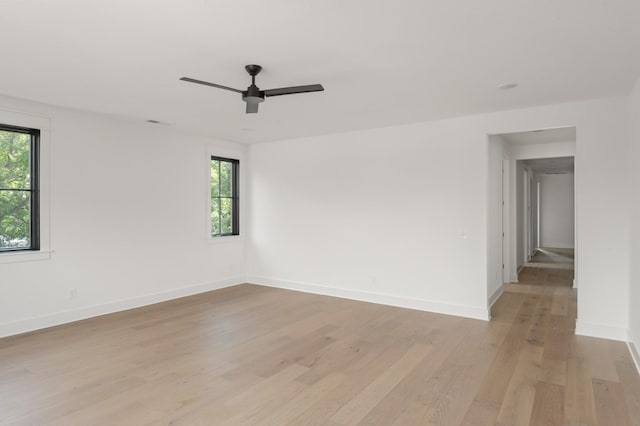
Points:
(206, 83)
(252, 108)
(294, 90)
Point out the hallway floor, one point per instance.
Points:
(549, 267)
(556, 376)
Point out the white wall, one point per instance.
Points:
(523, 214)
(556, 210)
(508, 218)
(535, 240)
(531, 218)
(128, 222)
(521, 254)
(634, 294)
(397, 215)
(494, 218)
(542, 150)
(383, 214)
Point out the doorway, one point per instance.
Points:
(528, 171)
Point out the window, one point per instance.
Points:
(19, 188)
(225, 207)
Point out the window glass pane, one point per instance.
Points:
(15, 156)
(215, 216)
(225, 179)
(215, 178)
(15, 219)
(223, 205)
(225, 216)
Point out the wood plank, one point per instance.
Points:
(358, 377)
(560, 304)
(548, 407)
(630, 381)
(411, 398)
(518, 400)
(500, 372)
(263, 389)
(611, 408)
(356, 409)
(481, 413)
(556, 345)
(301, 402)
(579, 403)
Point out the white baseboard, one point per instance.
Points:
(494, 297)
(63, 317)
(380, 298)
(602, 331)
(634, 354)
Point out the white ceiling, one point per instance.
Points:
(381, 62)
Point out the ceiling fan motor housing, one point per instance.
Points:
(253, 95)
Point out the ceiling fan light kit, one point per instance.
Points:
(253, 95)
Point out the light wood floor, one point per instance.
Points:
(549, 267)
(255, 355)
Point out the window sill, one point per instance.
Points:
(24, 256)
(226, 239)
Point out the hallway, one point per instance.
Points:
(554, 376)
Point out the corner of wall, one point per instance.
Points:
(495, 296)
(634, 276)
(635, 354)
(379, 298)
(602, 331)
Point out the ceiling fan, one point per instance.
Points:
(253, 95)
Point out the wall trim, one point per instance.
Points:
(635, 354)
(373, 297)
(602, 331)
(71, 315)
(494, 298)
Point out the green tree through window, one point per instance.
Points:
(224, 197)
(19, 195)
